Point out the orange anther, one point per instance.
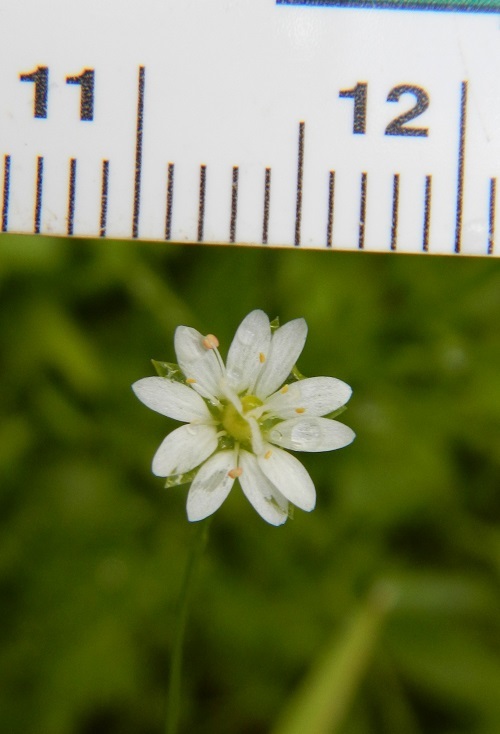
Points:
(190, 380)
(300, 410)
(262, 357)
(284, 389)
(267, 455)
(234, 473)
(210, 342)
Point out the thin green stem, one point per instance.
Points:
(198, 543)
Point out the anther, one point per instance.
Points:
(284, 389)
(267, 455)
(190, 381)
(234, 473)
(300, 410)
(262, 357)
(210, 342)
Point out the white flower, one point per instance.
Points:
(240, 416)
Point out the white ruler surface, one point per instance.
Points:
(307, 124)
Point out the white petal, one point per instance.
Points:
(211, 485)
(172, 399)
(286, 345)
(312, 396)
(197, 362)
(311, 434)
(184, 449)
(289, 477)
(262, 495)
(248, 351)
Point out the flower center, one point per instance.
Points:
(235, 422)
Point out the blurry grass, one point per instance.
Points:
(92, 548)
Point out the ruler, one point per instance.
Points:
(334, 124)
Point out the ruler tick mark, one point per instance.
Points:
(267, 205)
(6, 191)
(300, 175)
(104, 199)
(201, 202)
(170, 200)
(461, 167)
(38, 197)
(395, 211)
(427, 213)
(138, 152)
(331, 201)
(71, 196)
(234, 205)
(492, 209)
(362, 212)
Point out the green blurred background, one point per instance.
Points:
(387, 594)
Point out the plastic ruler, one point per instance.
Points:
(327, 124)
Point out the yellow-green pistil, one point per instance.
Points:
(235, 423)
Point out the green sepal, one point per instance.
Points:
(296, 375)
(337, 412)
(274, 324)
(175, 480)
(170, 370)
(225, 442)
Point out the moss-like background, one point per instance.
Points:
(92, 548)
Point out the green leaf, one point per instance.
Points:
(324, 699)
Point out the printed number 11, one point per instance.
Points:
(40, 78)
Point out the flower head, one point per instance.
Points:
(239, 417)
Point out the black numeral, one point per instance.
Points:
(86, 82)
(398, 125)
(358, 94)
(40, 78)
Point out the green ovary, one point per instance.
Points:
(235, 424)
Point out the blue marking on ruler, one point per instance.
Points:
(457, 6)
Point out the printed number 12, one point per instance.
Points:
(359, 95)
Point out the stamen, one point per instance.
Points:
(262, 357)
(267, 455)
(234, 473)
(210, 342)
(190, 380)
(300, 410)
(284, 389)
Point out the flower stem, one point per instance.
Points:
(198, 543)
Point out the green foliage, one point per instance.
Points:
(93, 547)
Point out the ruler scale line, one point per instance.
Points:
(6, 193)
(104, 199)
(138, 152)
(71, 196)
(201, 201)
(300, 176)
(395, 211)
(492, 210)
(170, 200)
(362, 212)
(427, 213)
(234, 205)
(38, 196)
(267, 205)
(461, 167)
(331, 202)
